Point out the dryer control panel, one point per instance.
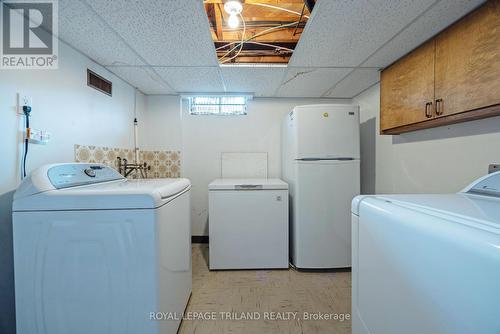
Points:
(72, 175)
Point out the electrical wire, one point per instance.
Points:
(257, 35)
(223, 46)
(271, 45)
(260, 34)
(258, 43)
(241, 44)
(300, 18)
(26, 144)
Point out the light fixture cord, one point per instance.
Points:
(241, 44)
(257, 35)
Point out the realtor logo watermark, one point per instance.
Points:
(29, 34)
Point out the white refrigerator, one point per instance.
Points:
(321, 163)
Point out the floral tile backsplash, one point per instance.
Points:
(164, 164)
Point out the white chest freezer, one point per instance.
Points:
(248, 224)
(427, 263)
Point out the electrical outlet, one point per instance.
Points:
(26, 100)
(23, 100)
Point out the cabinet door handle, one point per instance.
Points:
(439, 107)
(428, 109)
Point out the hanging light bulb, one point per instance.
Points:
(233, 22)
(233, 8)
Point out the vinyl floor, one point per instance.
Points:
(266, 301)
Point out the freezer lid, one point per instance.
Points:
(247, 184)
(475, 210)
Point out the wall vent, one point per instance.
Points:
(95, 81)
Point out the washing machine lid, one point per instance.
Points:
(42, 192)
(478, 203)
(470, 209)
(248, 184)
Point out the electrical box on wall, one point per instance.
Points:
(35, 136)
(24, 107)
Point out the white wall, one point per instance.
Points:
(160, 125)
(204, 138)
(438, 160)
(74, 114)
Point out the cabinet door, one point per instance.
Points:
(468, 62)
(406, 87)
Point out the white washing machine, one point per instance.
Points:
(97, 253)
(248, 224)
(427, 263)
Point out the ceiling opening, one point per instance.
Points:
(257, 31)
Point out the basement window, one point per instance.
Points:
(218, 105)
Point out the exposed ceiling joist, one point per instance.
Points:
(217, 14)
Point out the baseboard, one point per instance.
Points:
(199, 239)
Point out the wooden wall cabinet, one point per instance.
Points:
(407, 88)
(454, 77)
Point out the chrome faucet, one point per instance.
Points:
(126, 168)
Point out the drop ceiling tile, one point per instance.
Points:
(261, 81)
(440, 16)
(310, 82)
(164, 33)
(79, 27)
(355, 83)
(344, 33)
(144, 78)
(193, 79)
